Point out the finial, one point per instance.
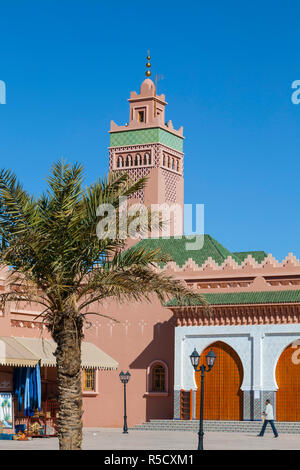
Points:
(148, 72)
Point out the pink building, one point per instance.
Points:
(254, 326)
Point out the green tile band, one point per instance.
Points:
(238, 298)
(146, 136)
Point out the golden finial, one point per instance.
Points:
(148, 72)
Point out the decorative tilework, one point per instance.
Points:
(194, 404)
(257, 408)
(177, 404)
(146, 136)
(253, 407)
(247, 405)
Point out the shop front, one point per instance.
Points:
(28, 385)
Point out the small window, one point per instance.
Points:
(158, 378)
(128, 160)
(141, 116)
(89, 380)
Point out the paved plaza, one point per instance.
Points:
(113, 439)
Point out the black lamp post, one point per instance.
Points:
(125, 379)
(210, 360)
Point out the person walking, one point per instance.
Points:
(269, 418)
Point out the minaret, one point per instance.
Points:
(148, 146)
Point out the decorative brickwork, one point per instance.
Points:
(171, 181)
(238, 315)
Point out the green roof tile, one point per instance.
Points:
(259, 256)
(235, 298)
(176, 248)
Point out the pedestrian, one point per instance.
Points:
(269, 418)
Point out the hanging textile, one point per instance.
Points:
(38, 387)
(27, 388)
(27, 393)
(19, 376)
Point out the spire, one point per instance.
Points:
(148, 71)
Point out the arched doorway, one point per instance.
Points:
(288, 381)
(223, 397)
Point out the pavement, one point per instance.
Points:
(114, 439)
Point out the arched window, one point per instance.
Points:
(164, 160)
(158, 377)
(173, 164)
(177, 168)
(147, 159)
(128, 160)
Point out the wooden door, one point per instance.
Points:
(288, 381)
(223, 399)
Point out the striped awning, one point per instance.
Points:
(17, 351)
(13, 353)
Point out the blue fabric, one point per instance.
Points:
(27, 385)
(38, 387)
(19, 384)
(27, 393)
(32, 387)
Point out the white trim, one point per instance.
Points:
(258, 347)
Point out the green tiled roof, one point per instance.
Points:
(236, 298)
(259, 256)
(146, 136)
(180, 254)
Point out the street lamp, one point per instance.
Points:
(125, 379)
(210, 360)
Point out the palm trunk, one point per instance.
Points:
(68, 335)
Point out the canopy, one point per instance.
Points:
(16, 351)
(13, 353)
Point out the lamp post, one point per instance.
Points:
(210, 360)
(125, 379)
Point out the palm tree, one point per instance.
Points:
(57, 260)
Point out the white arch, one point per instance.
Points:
(240, 343)
(227, 344)
(258, 347)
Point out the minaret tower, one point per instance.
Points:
(148, 146)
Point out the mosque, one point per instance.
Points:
(254, 327)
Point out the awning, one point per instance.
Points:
(42, 349)
(91, 355)
(13, 353)
(29, 351)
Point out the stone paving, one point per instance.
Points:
(113, 439)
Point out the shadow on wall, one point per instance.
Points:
(161, 348)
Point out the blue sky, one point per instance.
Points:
(70, 65)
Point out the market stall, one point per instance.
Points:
(28, 385)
